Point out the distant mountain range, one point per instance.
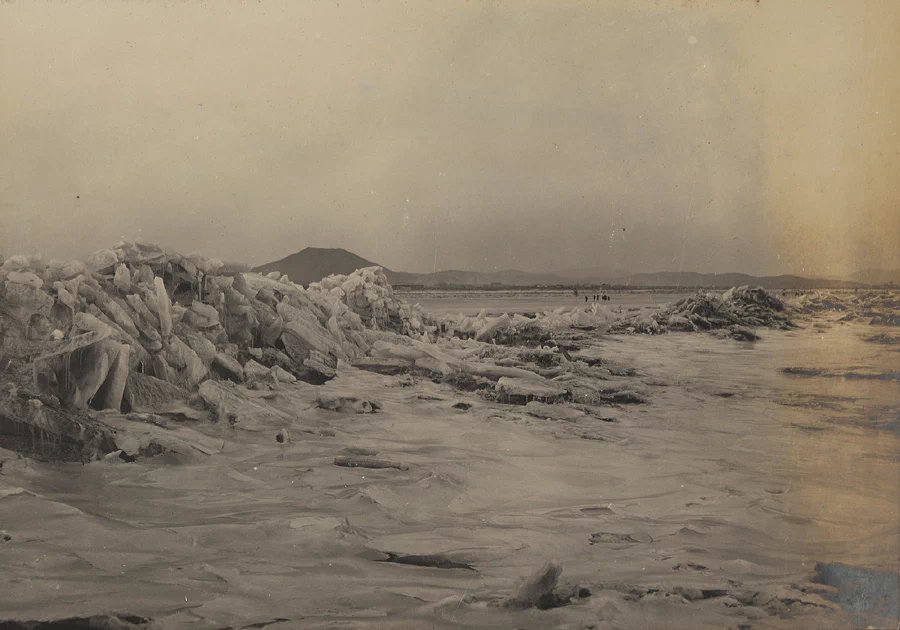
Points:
(692, 279)
(313, 263)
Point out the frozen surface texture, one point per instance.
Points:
(586, 480)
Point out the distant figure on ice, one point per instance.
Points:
(585, 299)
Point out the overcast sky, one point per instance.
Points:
(727, 135)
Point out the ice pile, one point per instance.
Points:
(597, 316)
(139, 318)
(522, 330)
(511, 374)
(820, 301)
(367, 293)
(732, 311)
(879, 307)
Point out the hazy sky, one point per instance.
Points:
(726, 135)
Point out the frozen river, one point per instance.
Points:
(470, 302)
(709, 506)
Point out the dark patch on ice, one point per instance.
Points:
(694, 594)
(881, 376)
(465, 382)
(596, 511)
(463, 406)
(263, 624)
(96, 622)
(883, 418)
(623, 397)
(861, 590)
(348, 403)
(428, 560)
(368, 462)
(816, 401)
(529, 335)
(522, 400)
(893, 426)
(805, 427)
(883, 338)
(796, 371)
(770, 605)
(561, 597)
(540, 590)
(690, 565)
(610, 538)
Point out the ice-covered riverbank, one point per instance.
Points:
(707, 507)
(679, 480)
